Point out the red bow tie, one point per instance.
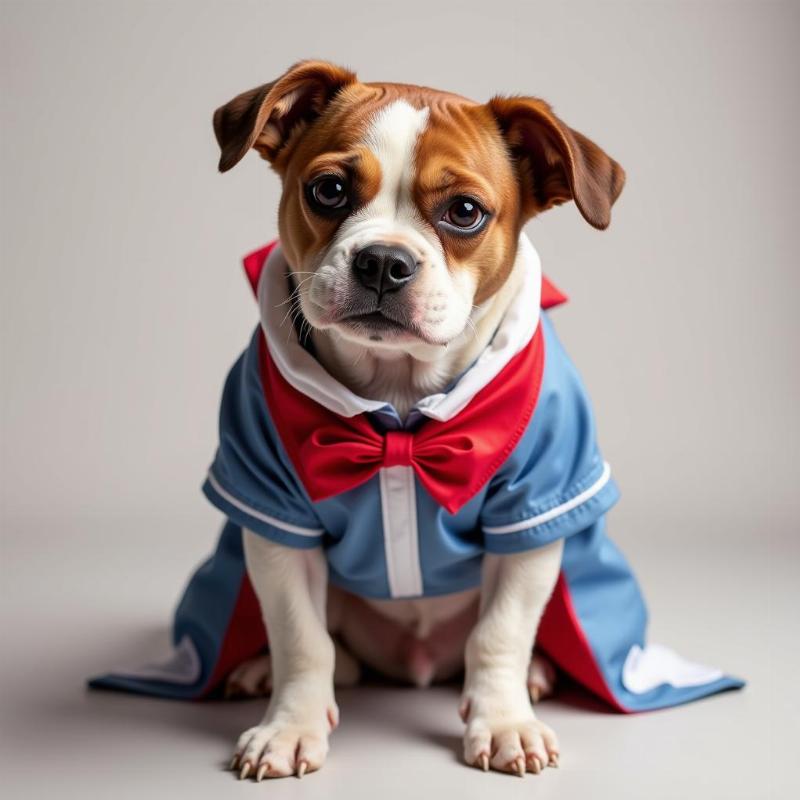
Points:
(452, 459)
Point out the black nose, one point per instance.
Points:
(384, 268)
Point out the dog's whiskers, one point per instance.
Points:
(295, 294)
(294, 307)
(472, 327)
(296, 313)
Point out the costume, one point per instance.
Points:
(504, 460)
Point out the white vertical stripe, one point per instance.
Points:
(400, 535)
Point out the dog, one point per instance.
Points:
(407, 457)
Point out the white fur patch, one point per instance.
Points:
(392, 137)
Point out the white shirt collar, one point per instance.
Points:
(308, 376)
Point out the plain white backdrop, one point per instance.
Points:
(124, 304)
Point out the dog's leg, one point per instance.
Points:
(292, 738)
(502, 730)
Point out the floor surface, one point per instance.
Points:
(83, 595)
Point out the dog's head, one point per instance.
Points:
(402, 205)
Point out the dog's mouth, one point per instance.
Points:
(376, 320)
(380, 325)
(376, 325)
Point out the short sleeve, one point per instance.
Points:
(251, 479)
(555, 483)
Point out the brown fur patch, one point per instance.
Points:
(461, 152)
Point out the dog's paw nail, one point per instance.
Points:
(245, 771)
(262, 771)
(519, 766)
(536, 765)
(301, 768)
(234, 762)
(484, 762)
(536, 693)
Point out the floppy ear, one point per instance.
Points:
(266, 117)
(556, 163)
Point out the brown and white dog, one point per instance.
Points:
(400, 217)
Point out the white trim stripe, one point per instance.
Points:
(540, 519)
(400, 534)
(252, 512)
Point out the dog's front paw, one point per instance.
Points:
(285, 744)
(506, 736)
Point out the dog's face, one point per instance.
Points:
(402, 205)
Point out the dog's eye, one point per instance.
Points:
(328, 193)
(464, 213)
